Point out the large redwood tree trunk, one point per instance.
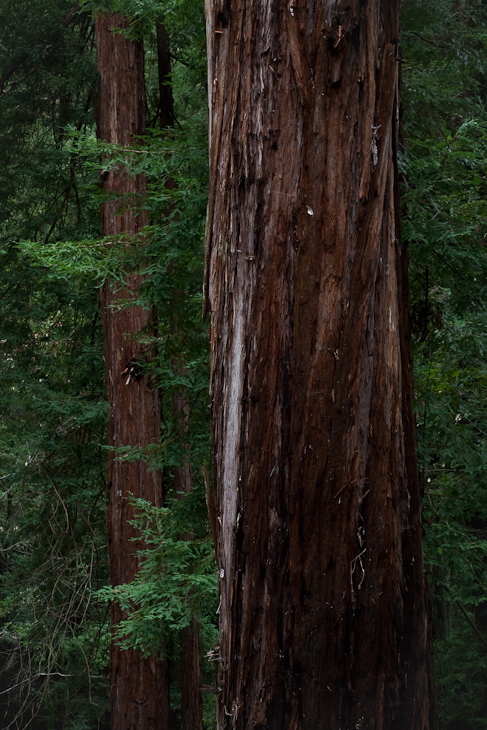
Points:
(323, 621)
(139, 687)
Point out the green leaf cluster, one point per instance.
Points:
(177, 578)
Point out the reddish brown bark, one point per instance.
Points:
(323, 618)
(191, 698)
(139, 687)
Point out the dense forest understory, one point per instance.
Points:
(84, 210)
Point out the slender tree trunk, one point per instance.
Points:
(323, 622)
(139, 686)
(191, 679)
(166, 100)
(191, 698)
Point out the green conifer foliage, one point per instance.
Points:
(53, 419)
(52, 411)
(444, 166)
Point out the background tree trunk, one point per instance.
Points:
(139, 687)
(323, 622)
(191, 678)
(166, 100)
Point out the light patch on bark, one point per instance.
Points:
(232, 436)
